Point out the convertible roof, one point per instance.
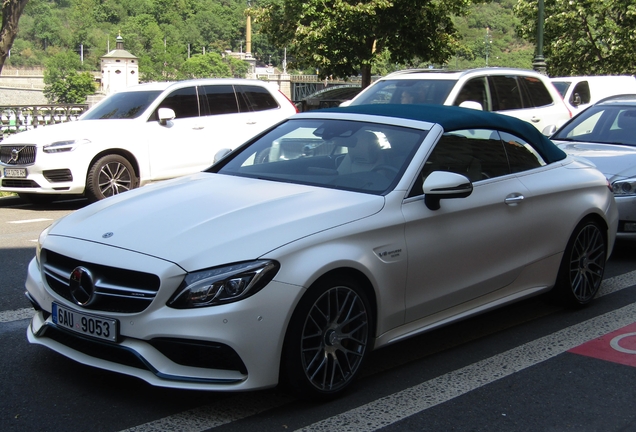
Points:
(455, 118)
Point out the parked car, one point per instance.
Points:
(579, 92)
(143, 134)
(519, 93)
(605, 134)
(334, 233)
(328, 97)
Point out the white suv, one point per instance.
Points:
(142, 134)
(519, 93)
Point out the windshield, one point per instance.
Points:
(411, 91)
(606, 124)
(349, 155)
(125, 105)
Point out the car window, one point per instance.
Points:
(124, 105)
(255, 98)
(355, 156)
(220, 99)
(418, 91)
(535, 92)
(582, 93)
(506, 93)
(474, 90)
(184, 102)
(521, 155)
(561, 86)
(476, 153)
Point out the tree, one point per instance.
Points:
(11, 12)
(589, 37)
(344, 37)
(62, 82)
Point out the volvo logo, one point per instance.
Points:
(82, 286)
(15, 154)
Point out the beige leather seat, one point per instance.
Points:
(364, 156)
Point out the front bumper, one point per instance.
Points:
(234, 347)
(627, 216)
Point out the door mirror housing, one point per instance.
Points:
(165, 114)
(221, 154)
(441, 185)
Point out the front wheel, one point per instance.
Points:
(328, 339)
(110, 175)
(583, 265)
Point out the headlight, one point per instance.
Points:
(222, 285)
(64, 146)
(38, 248)
(625, 187)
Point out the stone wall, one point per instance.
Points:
(18, 96)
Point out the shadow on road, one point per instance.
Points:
(70, 203)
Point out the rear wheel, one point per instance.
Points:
(583, 265)
(328, 339)
(110, 175)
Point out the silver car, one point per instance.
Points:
(332, 234)
(605, 134)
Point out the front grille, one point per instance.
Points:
(200, 354)
(58, 175)
(19, 183)
(18, 154)
(116, 290)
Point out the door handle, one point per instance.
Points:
(535, 119)
(198, 127)
(514, 199)
(251, 121)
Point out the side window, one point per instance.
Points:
(535, 92)
(474, 90)
(476, 153)
(184, 102)
(580, 94)
(255, 98)
(220, 99)
(506, 93)
(521, 155)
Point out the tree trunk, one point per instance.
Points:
(11, 12)
(365, 70)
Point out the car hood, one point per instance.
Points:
(77, 130)
(207, 219)
(611, 159)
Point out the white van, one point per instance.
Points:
(581, 91)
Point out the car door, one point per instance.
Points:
(222, 120)
(258, 110)
(174, 148)
(472, 246)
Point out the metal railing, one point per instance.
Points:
(17, 118)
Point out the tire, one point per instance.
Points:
(328, 339)
(583, 265)
(110, 175)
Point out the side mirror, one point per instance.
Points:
(165, 114)
(221, 154)
(445, 185)
(549, 130)
(472, 105)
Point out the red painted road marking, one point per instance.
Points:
(618, 346)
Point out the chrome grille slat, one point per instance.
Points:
(25, 154)
(116, 290)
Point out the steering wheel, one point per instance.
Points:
(385, 167)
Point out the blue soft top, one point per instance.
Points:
(455, 118)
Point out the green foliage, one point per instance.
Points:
(344, 37)
(63, 82)
(589, 37)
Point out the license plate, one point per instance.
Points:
(89, 325)
(15, 172)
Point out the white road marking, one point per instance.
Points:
(29, 221)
